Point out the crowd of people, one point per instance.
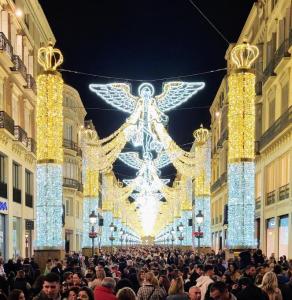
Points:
(149, 273)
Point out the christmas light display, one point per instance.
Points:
(241, 129)
(49, 128)
(49, 208)
(202, 184)
(145, 129)
(90, 175)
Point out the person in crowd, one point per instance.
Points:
(176, 290)
(270, 286)
(72, 294)
(150, 289)
(233, 272)
(100, 275)
(16, 294)
(51, 288)
(78, 281)
(106, 290)
(205, 280)
(68, 281)
(126, 293)
(219, 291)
(58, 269)
(249, 291)
(250, 272)
(21, 283)
(85, 293)
(194, 293)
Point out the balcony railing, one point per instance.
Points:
(6, 122)
(20, 135)
(282, 52)
(31, 145)
(259, 88)
(269, 70)
(258, 203)
(16, 195)
(31, 84)
(222, 179)
(72, 183)
(271, 198)
(68, 144)
(279, 125)
(28, 200)
(19, 66)
(3, 190)
(5, 45)
(284, 192)
(224, 137)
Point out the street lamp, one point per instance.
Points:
(121, 233)
(126, 239)
(92, 233)
(172, 236)
(199, 220)
(112, 238)
(181, 228)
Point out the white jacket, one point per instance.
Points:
(202, 283)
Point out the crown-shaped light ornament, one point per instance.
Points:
(50, 58)
(201, 135)
(244, 55)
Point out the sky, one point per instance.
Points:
(145, 40)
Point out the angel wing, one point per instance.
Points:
(131, 159)
(162, 161)
(117, 95)
(177, 92)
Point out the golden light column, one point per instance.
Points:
(202, 183)
(241, 140)
(49, 128)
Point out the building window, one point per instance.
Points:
(77, 210)
(68, 132)
(2, 168)
(69, 207)
(28, 182)
(271, 234)
(271, 112)
(285, 98)
(16, 168)
(258, 187)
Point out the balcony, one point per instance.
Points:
(259, 88)
(72, 183)
(280, 124)
(258, 203)
(16, 195)
(20, 135)
(269, 70)
(282, 53)
(6, 49)
(68, 144)
(31, 145)
(284, 192)
(219, 182)
(3, 189)
(271, 198)
(6, 122)
(28, 200)
(19, 69)
(31, 84)
(223, 138)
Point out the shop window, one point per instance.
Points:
(271, 234)
(283, 235)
